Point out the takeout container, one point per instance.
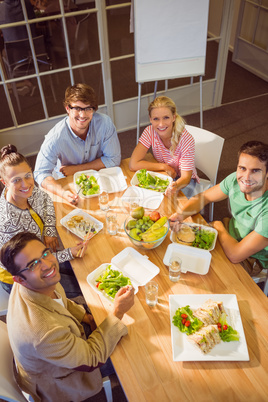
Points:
(194, 225)
(111, 180)
(194, 259)
(97, 224)
(146, 198)
(132, 264)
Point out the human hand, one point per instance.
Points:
(170, 171)
(79, 250)
(68, 170)
(71, 197)
(171, 189)
(51, 242)
(88, 319)
(123, 301)
(218, 225)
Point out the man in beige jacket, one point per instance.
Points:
(55, 360)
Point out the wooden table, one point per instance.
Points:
(143, 359)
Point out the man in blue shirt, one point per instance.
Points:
(83, 140)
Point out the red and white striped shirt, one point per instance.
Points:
(183, 157)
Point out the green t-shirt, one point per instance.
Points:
(247, 215)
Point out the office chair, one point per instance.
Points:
(262, 277)
(208, 149)
(4, 296)
(18, 60)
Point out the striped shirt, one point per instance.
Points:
(183, 157)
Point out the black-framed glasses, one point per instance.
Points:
(78, 109)
(34, 264)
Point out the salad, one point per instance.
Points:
(88, 184)
(146, 180)
(203, 239)
(110, 281)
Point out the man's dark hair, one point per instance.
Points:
(257, 149)
(12, 248)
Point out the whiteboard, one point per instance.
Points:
(170, 38)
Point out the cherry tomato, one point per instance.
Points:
(188, 323)
(183, 321)
(219, 325)
(184, 315)
(225, 327)
(98, 284)
(220, 329)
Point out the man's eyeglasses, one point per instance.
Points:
(78, 109)
(34, 264)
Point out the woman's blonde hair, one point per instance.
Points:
(178, 124)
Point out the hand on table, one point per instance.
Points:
(123, 301)
(51, 242)
(68, 170)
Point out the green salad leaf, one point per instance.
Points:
(146, 180)
(88, 184)
(203, 239)
(110, 281)
(227, 334)
(179, 317)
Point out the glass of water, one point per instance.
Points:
(104, 201)
(111, 222)
(175, 269)
(151, 293)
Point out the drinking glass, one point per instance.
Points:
(111, 221)
(151, 293)
(175, 269)
(104, 201)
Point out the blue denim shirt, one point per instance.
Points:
(62, 147)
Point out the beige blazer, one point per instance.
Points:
(55, 361)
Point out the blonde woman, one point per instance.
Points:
(172, 145)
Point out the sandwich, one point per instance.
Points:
(185, 236)
(206, 338)
(210, 312)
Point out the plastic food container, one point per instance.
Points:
(197, 225)
(79, 212)
(132, 264)
(111, 180)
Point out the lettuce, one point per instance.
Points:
(146, 180)
(111, 281)
(229, 334)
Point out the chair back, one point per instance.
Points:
(9, 390)
(81, 43)
(19, 53)
(208, 149)
(4, 297)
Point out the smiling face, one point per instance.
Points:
(162, 121)
(19, 182)
(79, 121)
(251, 176)
(45, 275)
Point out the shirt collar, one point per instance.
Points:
(71, 131)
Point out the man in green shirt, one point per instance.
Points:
(244, 237)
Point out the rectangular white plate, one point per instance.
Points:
(132, 264)
(111, 180)
(145, 198)
(135, 181)
(193, 259)
(183, 350)
(204, 227)
(97, 224)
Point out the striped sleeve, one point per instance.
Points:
(147, 137)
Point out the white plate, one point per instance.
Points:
(137, 267)
(135, 180)
(183, 350)
(111, 180)
(145, 198)
(97, 224)
(204, 227)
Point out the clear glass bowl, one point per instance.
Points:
(143, 244)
